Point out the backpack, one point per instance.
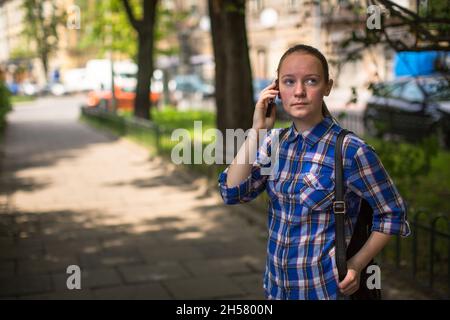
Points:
(361, 232)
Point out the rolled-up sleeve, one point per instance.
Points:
(254, 184)
(369, 180)
(246, 191)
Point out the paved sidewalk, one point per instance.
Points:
(137, 227)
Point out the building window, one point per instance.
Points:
(256, 6)
(293, 5)
(261, 63)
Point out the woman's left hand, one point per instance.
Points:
(350, 284)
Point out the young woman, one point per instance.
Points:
(300, 250)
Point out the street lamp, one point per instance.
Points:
(268, 18)
(110, 58)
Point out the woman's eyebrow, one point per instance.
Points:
(306, 75)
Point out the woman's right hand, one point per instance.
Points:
(260, 121)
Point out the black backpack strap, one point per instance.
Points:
(339, 208)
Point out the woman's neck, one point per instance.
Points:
(302, 125)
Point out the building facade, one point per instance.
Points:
(272, 27)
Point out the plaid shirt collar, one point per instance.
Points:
(312, 135)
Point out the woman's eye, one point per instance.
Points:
(288, 82)
(311, 81)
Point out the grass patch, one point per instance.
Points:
(20, 99)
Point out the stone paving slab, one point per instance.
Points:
(217, 266)
(90, 279)
(24, 284)
(171, 252)
(7, 268)
(212, 287)
(149, 291)
(44, 264)
(83, 294)
(158, 271)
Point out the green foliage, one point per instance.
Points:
(21, 53)
(237, 6)
(406, 163)
(435, 9)
(173, 119)
(5, 104)
(19, 99)
(106, 27)
(42, 19)
(420, 172)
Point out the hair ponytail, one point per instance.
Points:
(326, 112)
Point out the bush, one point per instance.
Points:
(5, 103)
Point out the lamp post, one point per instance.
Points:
(110, 58)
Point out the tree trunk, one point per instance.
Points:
(44, 61)
(220, 62)
(234, 91)
(145, 62)
(238, 80)
(145, 29)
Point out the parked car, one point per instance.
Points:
(258, 85)
(189, 86)
(13, 87)
(411, 108)
(125, 96)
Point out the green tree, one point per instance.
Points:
(145, 28)
(101, 20)
(5, 103)
(113, 24)
(42, 19)
(105, 27)
(400, 28)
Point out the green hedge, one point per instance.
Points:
(5, 103)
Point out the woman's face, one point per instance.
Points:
(302, 86)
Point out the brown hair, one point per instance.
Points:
(316, 53)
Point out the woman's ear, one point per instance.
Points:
(329, 86)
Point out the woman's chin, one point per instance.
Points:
(298, 113)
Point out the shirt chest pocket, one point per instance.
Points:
(318, 193)
(312, 190)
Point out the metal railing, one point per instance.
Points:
(427, 258)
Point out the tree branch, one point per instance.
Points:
(130, 15)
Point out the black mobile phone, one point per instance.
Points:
(271, 102)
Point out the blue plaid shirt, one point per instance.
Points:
(300, 250)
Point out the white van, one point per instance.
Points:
(98, 73)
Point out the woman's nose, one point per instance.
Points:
(300, 90)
